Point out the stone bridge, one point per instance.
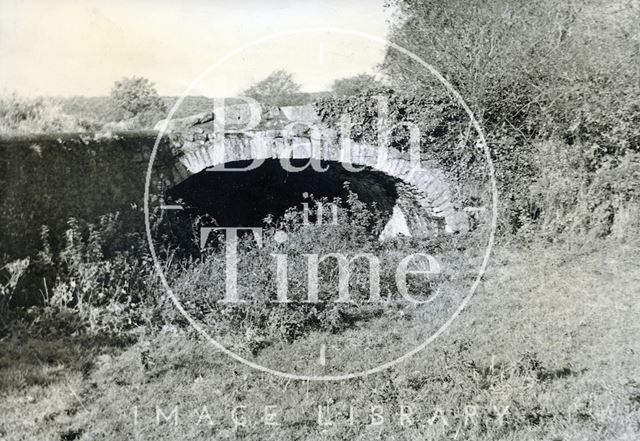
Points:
(47, 179)
(424, 196)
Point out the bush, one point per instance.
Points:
(20, 115)
(200, 283)
(138, 100)
(447, 140)
(567, 199)
(535, 74)
(11, 272)
(355, 85)
(106, 285)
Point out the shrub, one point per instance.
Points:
(200, 283)
(567, 199)
(20, 115)
(355, 85)
(447, 140)
(138, 100)
(105, 285)
(534, 72)
(12, 273)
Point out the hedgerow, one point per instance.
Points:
(544, 79)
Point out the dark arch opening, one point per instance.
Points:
(245, 198)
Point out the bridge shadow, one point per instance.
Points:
(246, 198)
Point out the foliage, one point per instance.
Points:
(556, 91)
(572, 201)
(13, 271)
(97, 108)
(355, 85)
(105, 285)
(19, 115)
(435, 118)
(446, 139)
(518, 64)
(261, 321)
(112, 289)
(493, 357)
(531, 72)
(137, 98)
(274, 88)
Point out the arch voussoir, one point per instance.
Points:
(432, 194)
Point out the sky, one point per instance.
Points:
(81, 47)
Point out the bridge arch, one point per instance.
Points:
(424, 193)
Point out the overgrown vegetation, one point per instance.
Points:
(355, 85)
(133, 104)
(110, 284)
(534, 356)
(21, 115)
(555, 87)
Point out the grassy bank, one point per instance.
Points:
(547, 349)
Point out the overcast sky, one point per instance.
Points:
(80, 47)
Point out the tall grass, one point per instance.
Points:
(21, 115)
(113, 290)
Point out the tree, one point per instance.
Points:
(496, 53)
(534, 72)
(136, 96)
(273, 88)
(355, 85)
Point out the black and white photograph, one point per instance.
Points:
(320, 220)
